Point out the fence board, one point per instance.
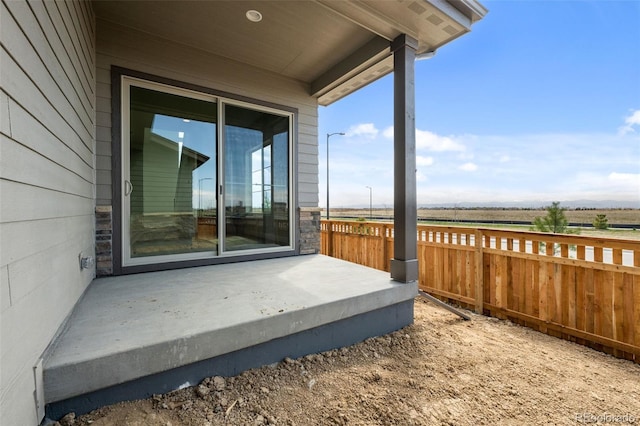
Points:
(532, 294)
(439, 268)
(569, 296)
(607, 305)
(618, 307)
(524, 282)
(556, 294)
(468, 274)
(459, 272)
(513, 290)
(479, 277)
(589, 308)
(505, 279)
(543, 303)
(636, 310)
(446, 282)
(580, 299)
(495, 279)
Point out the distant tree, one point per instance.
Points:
(555, 221)
(601, 222)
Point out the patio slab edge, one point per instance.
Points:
(64, 381)
(318, 339)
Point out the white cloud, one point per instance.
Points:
(430, 141)
(367, 130)
(504, 159)
(468, 167)
(423, 161)
(627, 178)
(630, 122)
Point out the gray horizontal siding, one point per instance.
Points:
(308, 162)
(35, 137)
(47, 175)
(34, 53)
(37, 203)
(81, 63)
(25, 92)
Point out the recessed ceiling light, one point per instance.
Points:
(254, 15)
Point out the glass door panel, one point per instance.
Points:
(256, 179)
(170, 185)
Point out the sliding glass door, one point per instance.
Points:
(256, 179)
(176, 174)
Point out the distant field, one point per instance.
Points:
(615, 216)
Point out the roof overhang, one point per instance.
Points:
(335, 47)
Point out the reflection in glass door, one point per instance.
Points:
(170, 187)
(256, 179)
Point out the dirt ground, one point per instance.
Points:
(439, 371)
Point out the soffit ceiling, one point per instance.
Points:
(334, 46)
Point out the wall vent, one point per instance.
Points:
(435, 19)
(450, 30)
(417, 8)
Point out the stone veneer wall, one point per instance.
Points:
(104, 241)
(309, 230)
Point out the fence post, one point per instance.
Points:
(385, 254)
(479, 273)
(329, 238)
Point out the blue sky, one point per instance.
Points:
(539, 102)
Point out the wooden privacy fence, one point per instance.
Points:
(579, 288)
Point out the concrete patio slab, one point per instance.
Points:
(129, 327)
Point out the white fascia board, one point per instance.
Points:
(446, 7)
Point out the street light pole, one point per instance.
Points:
(328, 136)
(370, 202)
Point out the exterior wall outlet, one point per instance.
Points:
(86, 262)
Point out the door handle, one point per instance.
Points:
(128, 188)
